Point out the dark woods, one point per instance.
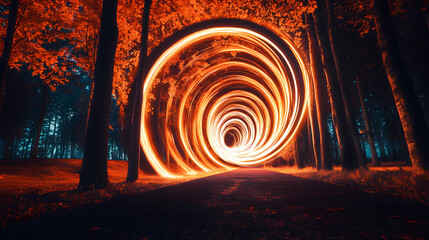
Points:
(377, 105)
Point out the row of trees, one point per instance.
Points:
(335, 43)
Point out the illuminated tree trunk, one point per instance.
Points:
(35, 145)
(368, 128)
(94, 164)
(345, 144)
(313, 129)
(136, 155)
(323, 161)
(339, 61)
(7, 47)
(309, 147)
(65, 139)
(413, 122)
(54, 140)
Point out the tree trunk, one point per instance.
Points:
(312, 146)
(35, 145)
(65, 138)
(7, 47)
(323, 161)
(368, 128)
(362, 142)
(299, 161)
(135, 156)
(415, 36)
(403, 143)
(378, 136)
(345, 145)
(28, 147)
(94, 164)
(339, 61)
(413, 121)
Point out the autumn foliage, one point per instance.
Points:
(56, 39)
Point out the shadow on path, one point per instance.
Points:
(240, 204)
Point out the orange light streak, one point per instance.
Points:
(233, 82)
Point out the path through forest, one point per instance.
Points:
(240, 204)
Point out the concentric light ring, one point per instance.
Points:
(228, 80)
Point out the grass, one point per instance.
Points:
(399, 181)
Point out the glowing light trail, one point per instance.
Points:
(221, 97)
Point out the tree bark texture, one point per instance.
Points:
(135, 157)
(337, 106)
(413, 122)
(368, 128)
(94, 164)
(313, 129)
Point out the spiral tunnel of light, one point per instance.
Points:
(221, 97)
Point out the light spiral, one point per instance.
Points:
(222, 96)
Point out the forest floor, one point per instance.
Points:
(35, 188)
(391, 178)
(247, 203)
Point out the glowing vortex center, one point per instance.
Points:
(221, 97)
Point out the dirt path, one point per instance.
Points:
(240, 204)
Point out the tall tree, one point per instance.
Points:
(339, 61)
(368, 128)
(337, 106)
(94, 164)
(7, 47)
(413, 122)
(134, 156)
(323, 161)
